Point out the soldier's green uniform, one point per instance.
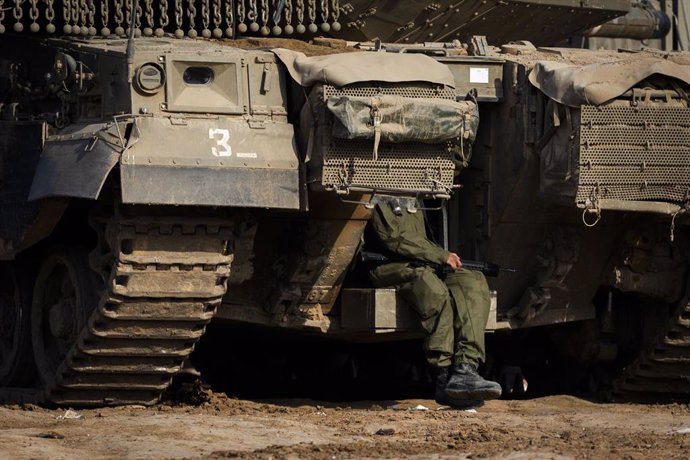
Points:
(454, 310)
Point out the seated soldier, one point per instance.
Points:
(453, 309)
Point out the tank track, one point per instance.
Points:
(662, 371)
(166, 281)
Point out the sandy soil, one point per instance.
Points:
(547, 428)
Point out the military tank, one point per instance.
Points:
(599, 158)
(161, 171)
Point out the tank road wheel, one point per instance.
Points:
(16, 360)
(63, 296)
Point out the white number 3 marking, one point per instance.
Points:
(221, 136)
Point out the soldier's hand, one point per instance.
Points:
(454, 261)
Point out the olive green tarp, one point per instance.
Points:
(347, 68)
(403, 119)
(596, 84)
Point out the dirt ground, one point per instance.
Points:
(547, 428)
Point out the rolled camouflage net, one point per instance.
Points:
(192, 18)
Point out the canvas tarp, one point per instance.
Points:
(402, 119)
(347, 68)
(597, 84)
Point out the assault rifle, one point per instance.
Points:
(487, 268)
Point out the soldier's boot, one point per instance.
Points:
(442, 397)
(465, 383)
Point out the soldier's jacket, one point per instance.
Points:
(453, 310)
(405, 235)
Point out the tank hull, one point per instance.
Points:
(154, 187)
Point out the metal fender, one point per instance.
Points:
(76, 162)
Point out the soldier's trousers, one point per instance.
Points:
(453, 311)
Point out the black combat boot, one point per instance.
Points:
(442, 397)
(465, 383)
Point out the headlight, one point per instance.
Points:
(149, 78)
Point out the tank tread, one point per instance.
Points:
(677, 355)
(124, 365)
(663, 370)
(118, 382)
(133, 347)
(157, 310)
(166, 282)
(103, 397)
(151, 329)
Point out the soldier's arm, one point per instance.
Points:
(405, 236)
